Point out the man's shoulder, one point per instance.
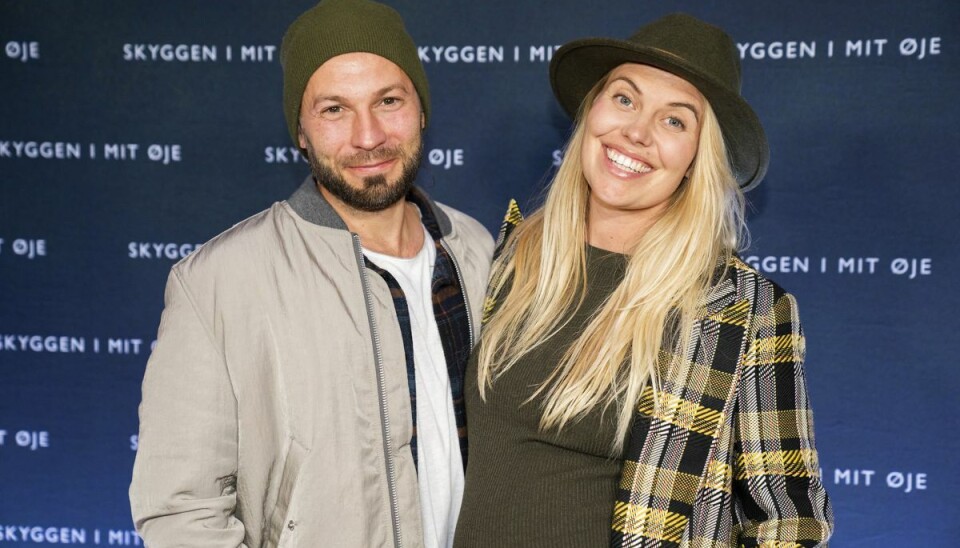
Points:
(237, 244)
(447, 220)
(471, 229)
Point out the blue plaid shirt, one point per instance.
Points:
(453, 323)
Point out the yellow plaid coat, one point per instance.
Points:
(724, 456)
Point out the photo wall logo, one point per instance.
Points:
(22, 51)
(160, 250)
(446, 158)
(200, 53)
(24, 439)
(26, 248)
(556, 157)
(53, 534)
(50, 344)
(487, 54)
(164, 154)
(46, 150)
(917, 48)
(65, 344)
(283, 155)
(904, 267)
(60, 150)
(908, 482)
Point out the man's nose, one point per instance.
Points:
(368, 132)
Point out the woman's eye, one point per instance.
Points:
(676, 123)
(623, 100)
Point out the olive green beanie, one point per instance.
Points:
(335, 27)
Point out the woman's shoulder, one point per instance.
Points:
(745, 277)
(766, 297)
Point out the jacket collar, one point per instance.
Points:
(309, 204)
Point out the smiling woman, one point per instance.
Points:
(623, 387)
(641, 135)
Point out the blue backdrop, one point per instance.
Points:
(131, 131)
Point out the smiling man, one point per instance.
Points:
(307, 384)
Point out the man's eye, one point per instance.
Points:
(333, 110)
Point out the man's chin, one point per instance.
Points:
(370, 194)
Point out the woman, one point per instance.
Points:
(632, 367)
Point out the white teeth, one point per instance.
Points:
(627, 163)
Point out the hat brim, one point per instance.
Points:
(577, 66)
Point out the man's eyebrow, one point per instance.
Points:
(379, 93)
(392, 87)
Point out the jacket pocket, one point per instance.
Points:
(283, 522)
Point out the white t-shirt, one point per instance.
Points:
(439, 464)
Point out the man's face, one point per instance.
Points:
(361, 123)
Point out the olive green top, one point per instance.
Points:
(526, 488)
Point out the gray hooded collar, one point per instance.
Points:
(308, 203)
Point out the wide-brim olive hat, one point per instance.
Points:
(680, 44)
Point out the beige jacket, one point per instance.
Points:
(275, 405)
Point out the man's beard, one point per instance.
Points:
(376, 193)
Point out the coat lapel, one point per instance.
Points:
(673, 436)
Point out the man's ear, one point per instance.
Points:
(423, 121)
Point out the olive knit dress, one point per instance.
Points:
(527, 488)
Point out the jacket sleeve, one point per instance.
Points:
(780, 498)
(183, 491)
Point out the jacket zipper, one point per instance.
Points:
(381, 389)
(463, 291)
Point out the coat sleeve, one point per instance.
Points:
(780, 498)
(183, 491)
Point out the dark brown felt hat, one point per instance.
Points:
(680, 44)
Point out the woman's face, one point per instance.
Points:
(641, 136)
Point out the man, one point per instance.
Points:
(306, 386)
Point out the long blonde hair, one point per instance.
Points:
(628, 341)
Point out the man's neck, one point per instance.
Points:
(395, 230)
